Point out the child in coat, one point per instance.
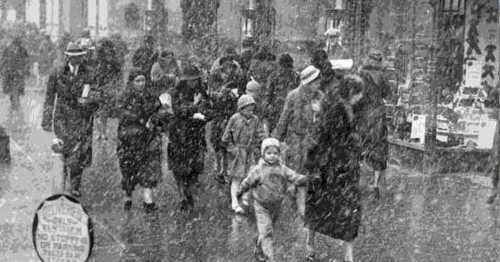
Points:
(242, 136)
(268, 180)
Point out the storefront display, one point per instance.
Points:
(466, 109)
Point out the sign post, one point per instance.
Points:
(62, 230)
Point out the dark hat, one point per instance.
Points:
(286, 61)
(190, 72)
(318, 57)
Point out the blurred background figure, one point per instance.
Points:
(46, 57)
(15, 68)
(108, 79)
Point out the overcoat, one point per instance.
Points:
(297, 124)
(187, 144)
(72, 121)
(279, 84)
(139, 147)
(333, 205)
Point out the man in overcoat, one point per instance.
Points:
(69, 112)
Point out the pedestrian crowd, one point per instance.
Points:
(275, 133)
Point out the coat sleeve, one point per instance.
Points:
(48, 106)
(227, 135)
(293, 177)
(125, 110)
(331, 121)
(250, 181)
(260, 135)
(281, 128)
(269, 96)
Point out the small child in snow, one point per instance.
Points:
(242, 136)
(268, 180)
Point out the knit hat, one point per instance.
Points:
(253, 86)
(269, 142)
(244, 101)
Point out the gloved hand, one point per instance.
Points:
(199, 116)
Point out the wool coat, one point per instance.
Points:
(243, 136)
(139, 147)
(279, 84)
(297, 124)
(333, 202)
(71, 121)
(187, 144)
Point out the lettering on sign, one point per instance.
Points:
(62, 230)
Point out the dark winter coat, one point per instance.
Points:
(224, 105)
(333, 202)
(187, 144)
(279, 84)
(139, 147)
(72, 121)
(15, 67)
(373, 124)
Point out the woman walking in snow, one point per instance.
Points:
(139, 146)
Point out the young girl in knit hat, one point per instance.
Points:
(242, 136)
(268, 181)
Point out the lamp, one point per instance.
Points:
(248, 16)
(452, 6)
(334, 16)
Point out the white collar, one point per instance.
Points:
(73, 69)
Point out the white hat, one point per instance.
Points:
(309, 74)
(73, 49)
(269, 142)
(244, 101)
(253, 86)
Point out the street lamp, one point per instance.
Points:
(335, 16)
(452, 6)
(248, 16)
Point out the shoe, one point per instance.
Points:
(376, 193)
(127, 205)
(239, 210)
(149, 208)
(310, 258)
(492, 198)
(258, 253)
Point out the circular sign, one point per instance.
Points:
(62, 230)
